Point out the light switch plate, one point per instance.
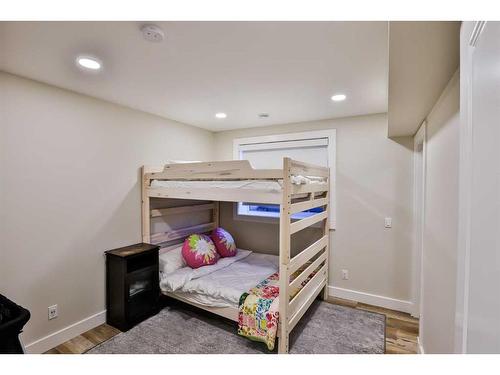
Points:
(388, 222)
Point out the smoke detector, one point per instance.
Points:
(152, 33)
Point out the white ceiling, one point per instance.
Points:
(287, 69)
(423, 56)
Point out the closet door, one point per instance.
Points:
(482, 315)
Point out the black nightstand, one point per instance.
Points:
(132, 285)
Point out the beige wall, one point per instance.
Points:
(374, 181)
(70, 190)
(441, 223)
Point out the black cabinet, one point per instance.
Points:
(132, 285)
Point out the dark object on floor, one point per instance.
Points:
(180, 328)
(132, 285)
(12, 320)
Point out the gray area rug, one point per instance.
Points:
(180, 328)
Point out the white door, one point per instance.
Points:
(478, 297)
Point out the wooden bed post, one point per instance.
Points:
(216, 214)
(326, 232)
(146, 214)
(284, 256)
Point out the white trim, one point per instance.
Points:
(56, 338)
(371, 299)
(313, 134)
(330, 134)
(299, 143)
(465, 183)
(420, 347)
(418, 253)
(476, 32)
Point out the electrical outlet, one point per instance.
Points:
(345, 274)
(52, 312)
(388, 222)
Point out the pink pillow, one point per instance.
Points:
(199, 250)
(224, 242)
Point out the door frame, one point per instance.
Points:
(419, 179)
(469, 35)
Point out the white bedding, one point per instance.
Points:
(264, 185)
(223, 285)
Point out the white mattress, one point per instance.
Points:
(222, 287)
(263, 185)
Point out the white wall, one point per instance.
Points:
(437, 320)
(69, 190)
(374, 180)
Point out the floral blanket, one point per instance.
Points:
(259, 309)
(258, 315)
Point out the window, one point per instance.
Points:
(317, 147)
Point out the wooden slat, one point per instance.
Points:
(180, 233)
(182, 209)
(216, 214)
(306, 254)
(215, 194)
(310, 188)
(307, 222)
(311, 171)
(305, 274)
(294, 319)
(295, 163)
(303, 295)
(146, 169)
(217, 170)
(307, 205)
(306, 169)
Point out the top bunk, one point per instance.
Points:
(235, 181)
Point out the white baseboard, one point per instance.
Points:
(371, 299)
(65, 334)
(420, 348)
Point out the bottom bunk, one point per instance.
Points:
(243, 288)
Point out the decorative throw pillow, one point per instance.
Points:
(199, 250)
(224, 242)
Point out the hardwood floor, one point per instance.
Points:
(86, 341)
(401, 329)
(401, 332)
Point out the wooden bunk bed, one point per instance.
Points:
(292, 198)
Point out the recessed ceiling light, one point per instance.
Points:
(263, 115)
(89, 63)
(220, 115)
(338, 97)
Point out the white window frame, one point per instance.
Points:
(239, 144)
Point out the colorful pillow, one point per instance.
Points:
(199, 250)
(224, 242)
